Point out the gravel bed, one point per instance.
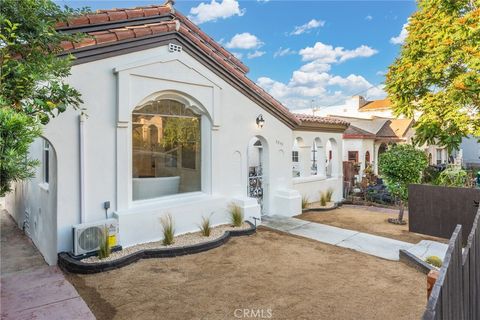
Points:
(187, 239)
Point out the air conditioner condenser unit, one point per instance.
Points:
(87, 236)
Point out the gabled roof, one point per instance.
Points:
(354, 132)
(395, 128)
(376, 105)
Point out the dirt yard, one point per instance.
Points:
(272, 273)
(369, 220)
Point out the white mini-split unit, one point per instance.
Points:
(88, 236)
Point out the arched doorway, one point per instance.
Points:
(331, 153)
(257, 159)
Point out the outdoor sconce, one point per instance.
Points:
(260, 121)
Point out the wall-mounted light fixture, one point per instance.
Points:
(260, 121)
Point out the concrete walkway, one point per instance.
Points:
(363, 242)
(30, 289)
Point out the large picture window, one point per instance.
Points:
(166, 151)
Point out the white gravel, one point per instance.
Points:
(182, 240)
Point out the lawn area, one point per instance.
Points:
(295, 277)
(371, 220)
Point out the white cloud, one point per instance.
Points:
(381, 73)
(328, 54)
(256, 54)
(244, 41)
(314, 80)
(283, 52)
(369, 18)
(214, 10)
(312, 24)
(401, 37)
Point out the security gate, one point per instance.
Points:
(255, 184)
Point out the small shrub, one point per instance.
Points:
(329, 194)
(434, 261)
(323, 199)
(453, 176)
(304, 202)
(168, 229)
(236, 215)
(205, 226)
(104, 249)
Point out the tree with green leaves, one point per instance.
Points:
(31, 79)
(17, 132)
(436, 78)
(400, 166)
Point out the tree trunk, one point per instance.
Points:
(400, 214)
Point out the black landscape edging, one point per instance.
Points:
(413, 261)
(68, 262)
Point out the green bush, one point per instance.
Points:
(168, 229)
(434, 261)
(104, 250)
(304, 202)
(453, 176)
(236, 215)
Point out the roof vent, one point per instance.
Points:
(174, 47)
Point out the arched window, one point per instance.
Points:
(166, 153)
(367, 158)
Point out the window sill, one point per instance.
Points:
(44, 186)
(166, 202)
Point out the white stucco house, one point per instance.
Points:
(172, 125)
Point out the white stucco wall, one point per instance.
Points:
(39, 200)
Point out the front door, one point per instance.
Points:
(256, 174)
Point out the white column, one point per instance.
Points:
(304, 155)
(321, 170)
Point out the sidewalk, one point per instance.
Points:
(30, 289)
(381, 247)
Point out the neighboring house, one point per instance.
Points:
(172, 125)
(469, 152)
(372, 128)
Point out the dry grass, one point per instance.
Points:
(294, 277)
(369, 220)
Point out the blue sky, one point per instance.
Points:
(302, 52)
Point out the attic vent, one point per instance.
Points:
(174, 48)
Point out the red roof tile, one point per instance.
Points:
(318, 119)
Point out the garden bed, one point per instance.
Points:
(184, 244)
(315, 206)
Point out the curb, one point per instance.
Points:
(68, 262)
(414, 262)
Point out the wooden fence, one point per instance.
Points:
(456, 294)
(436, 210)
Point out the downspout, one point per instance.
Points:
(82, 119)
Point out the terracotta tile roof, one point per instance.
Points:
(133, 26)
(394, 128)
(376, 105)
(322, 120)
(354, 132)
